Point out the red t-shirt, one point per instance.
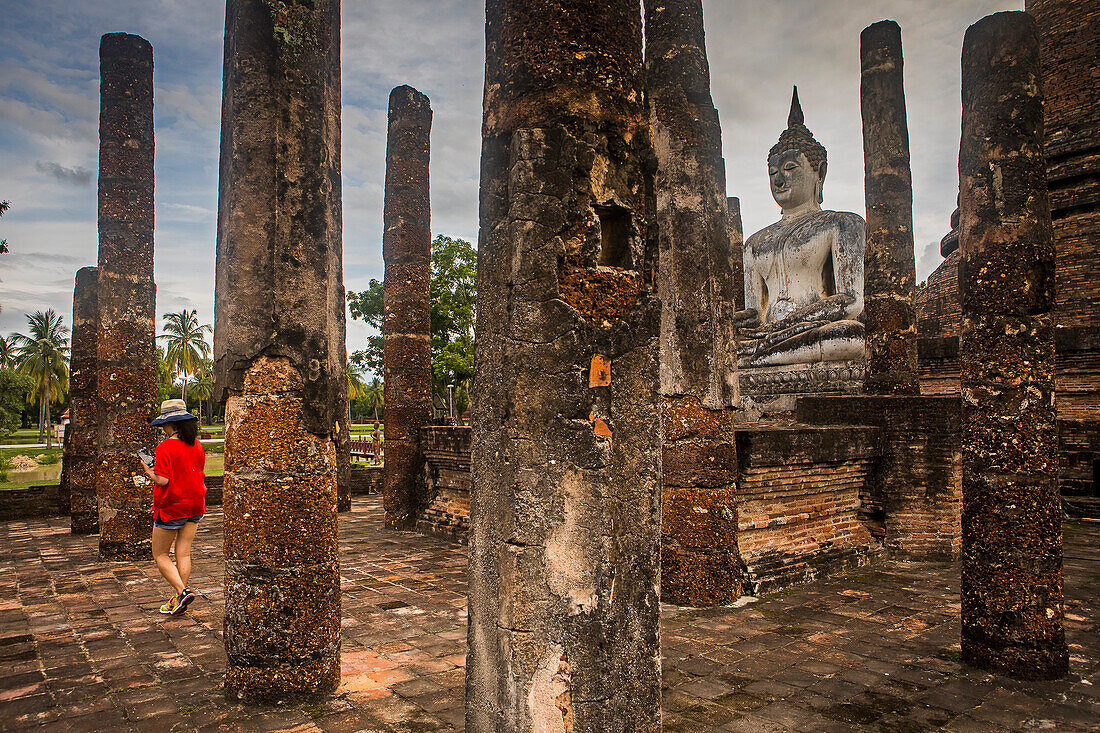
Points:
(185, 494)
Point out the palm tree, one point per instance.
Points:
(185, 343)
(356, 386)
(43, 356)
(374, 394)
(7, 351)
(203, 386)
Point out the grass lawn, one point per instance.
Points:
(6, 454)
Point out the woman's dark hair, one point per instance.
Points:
(187, 431)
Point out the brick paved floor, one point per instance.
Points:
(82, 647)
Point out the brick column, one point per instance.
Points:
(278, 345)
(737, 251)
(565, 511)
(1070, 55)
(1012, 608)
(407, 358)
(82, 455)
(126, 383)
(699, 560)
(889, 265)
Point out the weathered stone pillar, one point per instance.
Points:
(126, 382)
(83, 434)
(889, 264)
(407, 357)
(278, 340)
(695, 274)
(700, 565)
(343, 456)
(565, 513)
(1012, 608)
(737, 250)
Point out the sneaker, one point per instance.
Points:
(183, 601)
(172, 604)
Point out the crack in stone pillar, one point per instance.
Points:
(126, 382)
(407, 358)
(700, 563)
(1012, 601)
(565, 510)
(278, 346)
(82, 452)
(889, 263)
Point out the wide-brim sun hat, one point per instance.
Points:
(173, 411)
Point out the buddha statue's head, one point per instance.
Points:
(797, 164)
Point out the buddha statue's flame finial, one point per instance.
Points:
(795, 117)
(798, 137)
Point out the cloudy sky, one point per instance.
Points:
(49, 105)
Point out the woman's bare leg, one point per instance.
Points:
(183, 550)
(162, 544)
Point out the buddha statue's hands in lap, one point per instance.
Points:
(804, 273)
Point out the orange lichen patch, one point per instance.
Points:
(599, 373)
(263, 434)
(134, 427)
(280, 521)
(700, 518)
(271, 374)
(685, 417)
(115, 478)
(600, 428)
(693, 578)
(602, 295)
(702, 463)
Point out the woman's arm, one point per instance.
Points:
(154, 477)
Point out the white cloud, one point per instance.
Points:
(49, 75)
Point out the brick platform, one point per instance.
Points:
(83, 649)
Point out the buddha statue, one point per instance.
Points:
(804, 273)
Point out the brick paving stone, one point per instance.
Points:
(82, 647)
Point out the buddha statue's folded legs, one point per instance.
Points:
(803, 343)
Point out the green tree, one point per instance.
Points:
(43, 355)
(185, 342)
(371, 400)
(203, 386)
(165, 379)
(453, 294)
(356, 385)
(14, 388)
(7, 352)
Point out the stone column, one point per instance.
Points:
(82, 455)
(737, 250)
(278, 347)
(407, 358)
(1070, 53)
(126, 383)
(889, 264)
(343, 455)
(565, 512)
(700, 565)
(1012, 608)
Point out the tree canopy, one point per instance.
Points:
(14, 388)
(453, 295)
(185, 343)
(43, 355)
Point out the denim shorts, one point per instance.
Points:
(176, 523)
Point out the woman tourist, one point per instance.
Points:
(179, 499)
